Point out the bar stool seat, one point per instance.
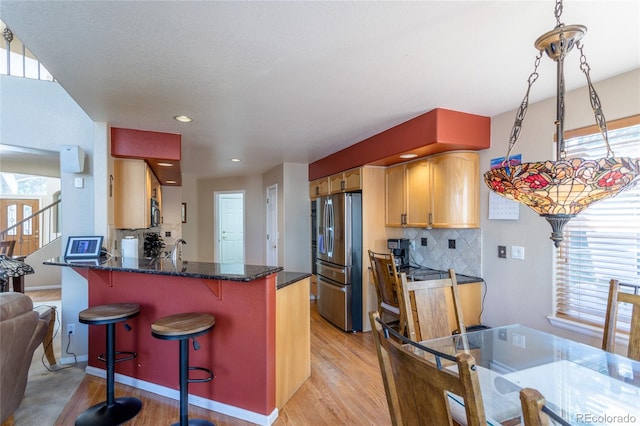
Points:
(113, 411)
(183, 327)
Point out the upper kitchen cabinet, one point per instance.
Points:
(134, 185)
(347, 181)
(408, 199)
(319, 188)
(455, 183)
(441, 191)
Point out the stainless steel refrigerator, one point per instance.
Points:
(339, 259)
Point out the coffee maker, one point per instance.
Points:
(400, 249)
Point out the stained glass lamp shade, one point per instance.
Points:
(559, 190)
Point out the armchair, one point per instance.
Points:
(21, 331)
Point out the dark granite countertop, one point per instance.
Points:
(206, 270)
(285, 278)
(425, 274)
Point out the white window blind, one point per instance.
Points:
(603, 242)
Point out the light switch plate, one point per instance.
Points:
(517, 252)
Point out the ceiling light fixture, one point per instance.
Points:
(171, 181)
(235, 160)
(406, 156)
(559, 190)
(183, 118)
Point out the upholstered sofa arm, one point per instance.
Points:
(21, 331)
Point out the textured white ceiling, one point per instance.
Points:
(270, 82)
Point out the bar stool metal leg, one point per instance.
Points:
(113, 411)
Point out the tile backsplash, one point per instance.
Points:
(465, 259)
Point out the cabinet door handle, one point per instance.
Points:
(342, 185)
(430, 220)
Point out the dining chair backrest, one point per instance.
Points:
(532, 402)
(6, 247)
(387, 282)
(417, 389)
(427, 307)
(611, 320)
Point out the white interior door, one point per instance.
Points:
(230, 209)
(272, 225)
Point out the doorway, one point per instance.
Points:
(13, 211)
(229, 226)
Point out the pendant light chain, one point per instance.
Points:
(522, 109)
(557, 11)
(595, 101)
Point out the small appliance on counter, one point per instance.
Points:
(400, 249)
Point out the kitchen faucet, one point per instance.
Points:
(176, 253)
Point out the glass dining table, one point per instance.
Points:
(581, 384)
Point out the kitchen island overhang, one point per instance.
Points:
(240, 350)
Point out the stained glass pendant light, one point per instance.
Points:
(559, 190)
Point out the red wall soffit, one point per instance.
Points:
(153, 147)
(436, 131)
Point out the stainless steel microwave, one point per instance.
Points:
(155, 213)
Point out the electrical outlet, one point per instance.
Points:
(502, 252)
(71, 329)
(452, 244)
(518, 340)
(423, 242)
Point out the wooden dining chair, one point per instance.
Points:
(417, 389)
(611, 319)
(427, 307)
(6, 247)
(532, 403)
(388, 288)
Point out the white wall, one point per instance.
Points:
(40, 114)
(294, 215)
(523, 291)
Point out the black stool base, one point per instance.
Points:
(196, 422)
(123, 409)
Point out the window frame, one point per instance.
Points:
(591, 310)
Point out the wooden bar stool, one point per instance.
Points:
(113, 411)
(184, 327)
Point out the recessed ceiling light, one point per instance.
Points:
(235, 160)
(183, 118)
(165, 164)
(408, 155)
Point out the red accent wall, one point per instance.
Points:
(144, 144)
(436, 131)
(240, 350)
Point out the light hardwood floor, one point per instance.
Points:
(345, 387)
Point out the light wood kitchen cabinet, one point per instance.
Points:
(318, 188)
(134, 184)
(455, 183)
(441, 191)
(346, 181)
(395, 195)
(407, 194)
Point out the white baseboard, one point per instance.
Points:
(218, 407)
(42, 287)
